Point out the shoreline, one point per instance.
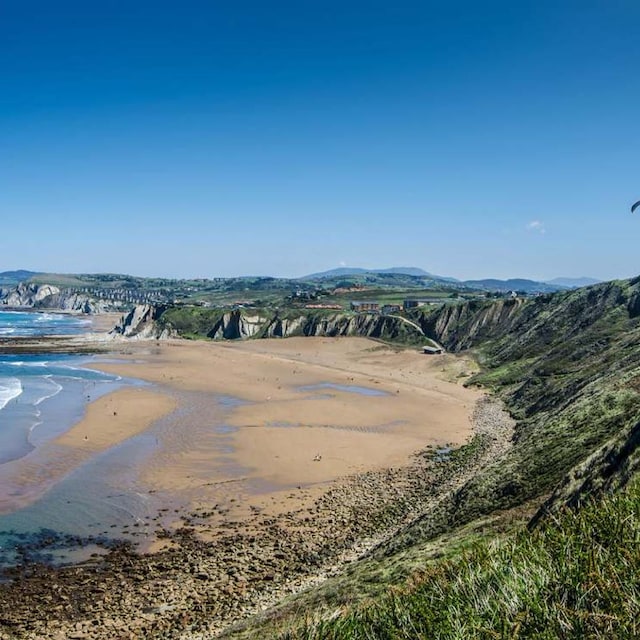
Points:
(205, 587)
(289, 515)
(284, 428)
(301, 412)
(94, 340)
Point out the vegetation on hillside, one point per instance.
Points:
(568, 370)
(573, 577)
(567, 367)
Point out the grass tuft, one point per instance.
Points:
(576, 576)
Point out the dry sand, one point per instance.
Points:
(284, 436)
(281, 436)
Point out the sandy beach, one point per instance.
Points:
(268, 465)
(255, 419)
(310, 410)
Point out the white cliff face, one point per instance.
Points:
(47, 296)
(234, 325)
(28, 295)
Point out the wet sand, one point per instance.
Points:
(257, 418)
(291, 429)
(271, 478)
(116, 417)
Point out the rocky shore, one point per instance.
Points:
(53, 344)
(198, 586)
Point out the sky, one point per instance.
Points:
(208, 139)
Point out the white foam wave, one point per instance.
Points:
(10, 388)
(100, 374)
(19, 363)
(33, 426)
(6, 331)
(56, 389)
(47, 317)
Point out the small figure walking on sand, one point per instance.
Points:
(317, 457)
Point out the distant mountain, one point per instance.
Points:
(356, 271)
(14, 277)
(487, 284)
(408, 271)
(573, 283)
(513, 284)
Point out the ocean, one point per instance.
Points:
(41, 396)
(26, 323)
(36, 391)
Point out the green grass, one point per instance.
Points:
(573, 577)
(567, 368)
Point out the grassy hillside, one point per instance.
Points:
(573, 577)
(567, 367)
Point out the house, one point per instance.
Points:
(432, 350)
(365, 307)
(391, 308)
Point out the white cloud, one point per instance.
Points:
(537, 226)
(343, 263)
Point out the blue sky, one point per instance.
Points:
(201, 139)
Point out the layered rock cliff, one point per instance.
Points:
(141, 323)
(46, 296)
(462, 326)
(242, 324)
(27, 295)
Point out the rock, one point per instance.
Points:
(140, 323)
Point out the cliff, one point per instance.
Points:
(46, 296)
(141, 323)
(463, 326)
(27, 295)
(605, 471)
(567, 367)
(241, 324)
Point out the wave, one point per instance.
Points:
(20, 363)
(10, 388)
(47, 317)
(87, 374)
(29, 323)
(57, 388)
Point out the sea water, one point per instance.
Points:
(101, 501)
(27, 323)
(42, 396)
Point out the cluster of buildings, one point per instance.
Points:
(134, 296)
(386, 309)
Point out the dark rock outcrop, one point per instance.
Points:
(140, 323)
